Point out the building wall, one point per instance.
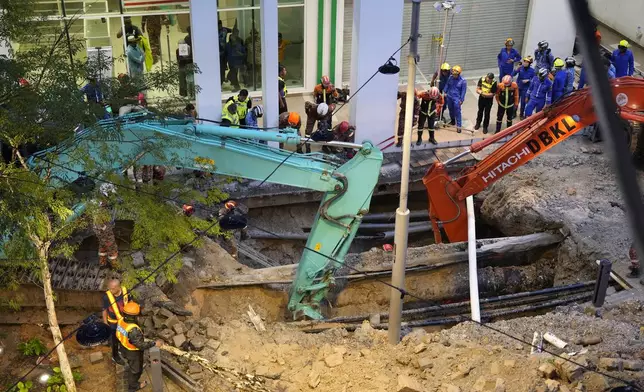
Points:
(544, 23)
(623, 16)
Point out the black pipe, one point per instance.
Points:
(386, 235)
(378, 226)
(391, 216)
(551, 290)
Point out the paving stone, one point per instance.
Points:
(213, 344)
(179, 328)
(198, 343)
(166, 334)
(165, 313)
(179, 340)
(171, 322)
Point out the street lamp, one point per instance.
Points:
(447, 6)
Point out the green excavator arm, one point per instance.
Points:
(230, 151)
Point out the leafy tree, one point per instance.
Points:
(41, 107)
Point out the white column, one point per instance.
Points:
(542, 16)
(373, 109)
(270, 59)
(339, 45)
(205, 49)
(473, 268)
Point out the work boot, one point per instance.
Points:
(452, 122)
(419, 141)
(118, 361)
(522, 117)
(498, 127)
(399, 143)
(431, 138)
(458, 130)
(477, 126)
(484, 129)
(508, 124)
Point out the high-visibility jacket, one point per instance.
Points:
(507, 96)
(242, 105)
(226, 115)
(122, 331)
(487, 87)
(114, 305)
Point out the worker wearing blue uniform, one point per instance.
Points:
(539, 92)
(507, 58)
(570, 77)
(610, 72)
(543, 56)
(559, 81)
(623, 60)
(524, 76)
(455, 95)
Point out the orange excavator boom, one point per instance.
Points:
(532, 137)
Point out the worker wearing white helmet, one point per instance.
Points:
(317, 113)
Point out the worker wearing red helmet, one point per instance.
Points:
(431, 104)
(343, 132)
(325, 91)
(132, 345)
(507, 97)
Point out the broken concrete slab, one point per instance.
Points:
(171, 321)
(213, 344)
(272, 372)
(157, 321)
(314, 379)
(165, 313)
(179, 340)
(95, 357)
(179, 328)
(212, 332)
(166, 334)
(334, 360)
(408, 384)
(198, 343)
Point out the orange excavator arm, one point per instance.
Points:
(532, 137)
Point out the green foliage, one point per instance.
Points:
(22, 387)
(33, 347)
(56, 382)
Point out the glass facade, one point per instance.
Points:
(102, 29)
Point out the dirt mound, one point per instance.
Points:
(572, 188)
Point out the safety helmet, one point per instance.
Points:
(507, 80)
(293, 118)
(624, 43)
(107, 188)
(434, 92)
(543, 72)
(457, 69)
(509, 41)
(132, 308)
(490, 76)
(344, 126)
(445, 67)
(543, 45)
(529, 59)
(570, 61)
(325, 80)
(230, 204)
(331, 108)
(323, 109)
(258, 110)
(559, 63)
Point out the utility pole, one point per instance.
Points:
(402, 213)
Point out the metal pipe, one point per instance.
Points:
(402, 213)
(388, 216)
(385, 235)
(378, 226)
(489, 300)
(471, 254)
(606, 110)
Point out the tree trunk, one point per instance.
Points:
(65, 368)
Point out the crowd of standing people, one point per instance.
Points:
(524, 86)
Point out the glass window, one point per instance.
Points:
(88, 7)
(290, 22)
(225, 4)
(290, 1)
(151, 5)
(48, 7)
(240, 50)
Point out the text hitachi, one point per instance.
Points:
(503, 166)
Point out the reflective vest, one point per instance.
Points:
(115, 306)
(233, 118)
(242, 106)
(122, 331)
(284, 90)
(486, 88)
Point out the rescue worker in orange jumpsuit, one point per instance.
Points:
(115, 298)
(103, 226)
(431, 105)
(507, 97)
(325, 91)
(292, 120)
(132, 344)
(402, 95)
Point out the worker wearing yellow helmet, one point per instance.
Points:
(524, 75)
(443, 74)
(507, 58)
(559, 81)
(455, 91)
(623, 60)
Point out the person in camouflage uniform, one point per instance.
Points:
(103, 226)
(402, 95)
